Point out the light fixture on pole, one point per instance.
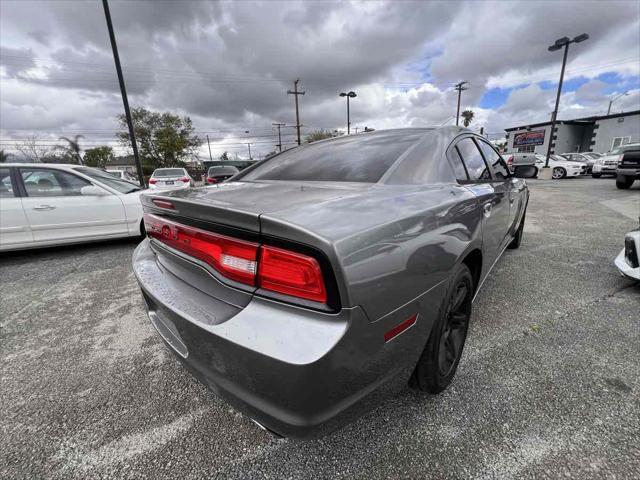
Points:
(349, 95)
(614, 99)
(561, 42)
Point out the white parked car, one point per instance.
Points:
(628, 261)
(608, 163)
(53, 204)
(561, 167)
(170, 179)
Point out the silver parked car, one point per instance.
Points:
(321, 279)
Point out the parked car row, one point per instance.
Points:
(561, 167)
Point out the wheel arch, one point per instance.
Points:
(473, 260)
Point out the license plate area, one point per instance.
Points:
(169, 182)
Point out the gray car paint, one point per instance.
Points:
(391, 246)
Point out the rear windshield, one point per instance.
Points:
(168, 172)
(222, 171)
(356, 158)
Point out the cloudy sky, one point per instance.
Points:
(228, 65)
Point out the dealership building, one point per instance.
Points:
(589, 134)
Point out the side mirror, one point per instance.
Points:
(525, 171)
(93, 190)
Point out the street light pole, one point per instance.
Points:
(249, 145)
(279, 125)
(561, 42)
(349, 95)
(614, 99)
(123, 92)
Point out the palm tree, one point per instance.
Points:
(467, 116)
(73, 149)
(4, 156)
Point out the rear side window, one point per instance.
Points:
(6, 188)
(458, 166)
(41, 182)
(473, 160)
(500, 170)
(357, 158)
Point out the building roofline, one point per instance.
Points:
(593, 118)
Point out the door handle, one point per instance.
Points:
(44, 207)
(486, 210)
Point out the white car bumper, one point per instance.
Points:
(627, 259)
(177, 186)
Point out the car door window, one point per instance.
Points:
(40, 182)
(6, 188)
(473, 160)
(495, 161)
(458, 166)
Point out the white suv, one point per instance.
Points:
(608, 164)
(170, 179)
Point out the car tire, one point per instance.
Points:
(558, 172)
(517, 238)
(596, 175)
(623, 182)
(439, 360)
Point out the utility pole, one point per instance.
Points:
(123, 92)
(249, 145)
(561, 42)
(295, 92)
(459, 87)
(210, 157)
(356, 129)
(279, 125)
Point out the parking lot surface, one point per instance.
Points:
(548, 386)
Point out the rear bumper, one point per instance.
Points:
(298, 372)
(629, 172)
(177, 186)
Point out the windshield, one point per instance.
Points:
(356, 158)
(592, 156)
(168, 172)
(108, 179)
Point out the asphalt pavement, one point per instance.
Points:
(549, 383)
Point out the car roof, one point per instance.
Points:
(63, 166)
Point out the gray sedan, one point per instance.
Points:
(317, 282)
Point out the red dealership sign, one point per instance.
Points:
(534, 137)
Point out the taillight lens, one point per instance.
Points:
(277, 270)
(153, 181)
(291, 273)
(510, 160)
(184, 179)
(233, 258)
(212, 180)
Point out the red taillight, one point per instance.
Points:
(233, 258)
(291, 273)
(510, 160)
(277, 270)
(185, 179)
(153, 181)
(211, 180)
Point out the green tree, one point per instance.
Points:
(98, 156)
(164, 139)
(72, 150)
(224, 157)
(321, 135)
(4, 156)
(467, 117)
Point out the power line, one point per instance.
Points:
(295, 94)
